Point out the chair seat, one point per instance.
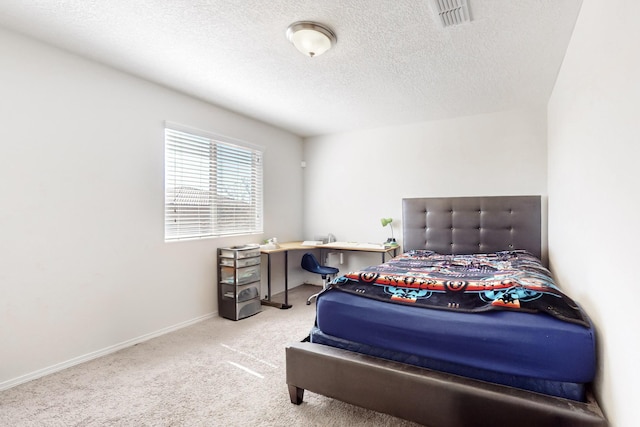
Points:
(310, 263)
(326, 270)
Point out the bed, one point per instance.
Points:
(464, 358)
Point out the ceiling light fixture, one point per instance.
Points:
(311, 38)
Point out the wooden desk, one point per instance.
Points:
(298, 246)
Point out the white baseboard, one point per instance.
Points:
(99, 353)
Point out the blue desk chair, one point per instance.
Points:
(310, 263)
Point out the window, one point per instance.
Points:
(213, 186)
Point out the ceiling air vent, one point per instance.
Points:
(453, 12)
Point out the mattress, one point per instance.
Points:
(533, 351)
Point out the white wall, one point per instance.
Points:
(354, 179)
(84, 268)
(594, 148)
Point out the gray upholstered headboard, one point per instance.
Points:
(464, 225)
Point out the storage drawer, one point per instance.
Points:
(243, 262)
(234, 310)
(249, 308)
(239, 281)
(240, 252)
(239, 276)
(241, 292)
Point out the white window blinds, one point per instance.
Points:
(212, 187)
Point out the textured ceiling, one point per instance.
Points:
(394, 62)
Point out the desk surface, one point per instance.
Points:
(297, 246)
(343, 246)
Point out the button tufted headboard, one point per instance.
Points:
(464, 225)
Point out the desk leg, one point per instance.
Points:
(286, 281)
(269, 277)
(384, 254)
(267, 301)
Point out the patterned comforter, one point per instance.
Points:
(511, 280)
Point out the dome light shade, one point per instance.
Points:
(311, 38)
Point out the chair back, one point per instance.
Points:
(310, 263)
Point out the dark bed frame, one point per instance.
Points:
(459, 225)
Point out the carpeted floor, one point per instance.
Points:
(214, 373)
